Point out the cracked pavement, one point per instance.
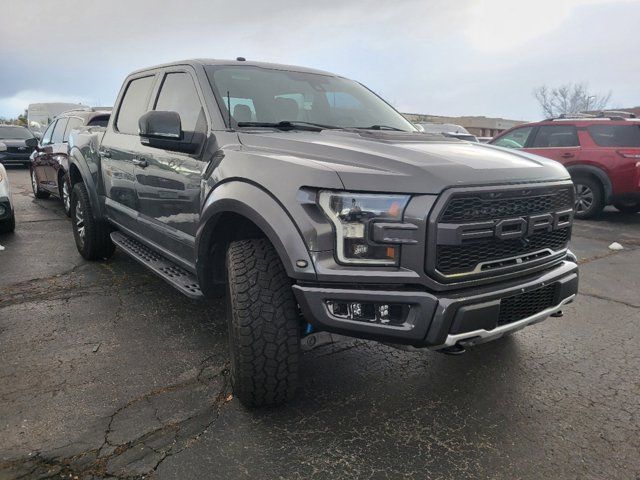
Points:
(107, 372)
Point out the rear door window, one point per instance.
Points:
(134, 104)
(58, 132)
(615, 135)
(514, 139)
(74, 122)
(556, 136)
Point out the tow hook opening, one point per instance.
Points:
(456, 349)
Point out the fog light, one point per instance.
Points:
(382, 313)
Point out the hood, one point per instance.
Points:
(14, 143)
(406, 162)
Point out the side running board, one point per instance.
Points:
(177, 276)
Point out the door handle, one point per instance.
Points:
(105, 153)
(567, 155)
(140, 162)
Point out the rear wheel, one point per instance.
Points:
(264, 325)
(627, 206)
(35, 186)
(65, 193)
(589, 200)
(91, 235)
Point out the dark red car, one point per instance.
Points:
(49, 161)
(602, 154)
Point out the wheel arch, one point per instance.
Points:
(79, 172)
(597, 173)
(240, 210)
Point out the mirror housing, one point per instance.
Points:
(160, 129)
(31, 142)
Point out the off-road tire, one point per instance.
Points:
(95, 243)
(264, 325)
(596, 204)
(37, 192)
(627, 207)
(8, 225)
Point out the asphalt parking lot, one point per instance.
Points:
(107, 372)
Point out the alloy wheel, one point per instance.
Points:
(584, 198)
(34, 182)
(79, 221)
(66, 198)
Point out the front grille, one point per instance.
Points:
(453, 256)
(452, 259)
(527, 304)
(24, 151)
(478, 207)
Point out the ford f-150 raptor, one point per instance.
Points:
(316, 208)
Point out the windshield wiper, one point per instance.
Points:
(381, 127)
(288, 125)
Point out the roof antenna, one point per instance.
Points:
(229, 107)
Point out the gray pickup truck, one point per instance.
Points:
(317, 209)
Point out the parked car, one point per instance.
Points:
(19, 143)
(449, 130)
(7, 213)
(601, 153)
(315, 207)
(49, 161)
(40, 115)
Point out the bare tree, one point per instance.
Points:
(569, 98)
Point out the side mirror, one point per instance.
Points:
(31, 142)
(163, 130)
(3, 147)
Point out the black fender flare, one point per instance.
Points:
(576, 170)
(255, 204)
(77, 159)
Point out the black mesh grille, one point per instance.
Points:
(25, 150)
(527, 304)
(479, 206)
(451, 259)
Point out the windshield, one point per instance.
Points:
(267, 95)
(15, 133)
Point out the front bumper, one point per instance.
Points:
(437, 321)
(15, 158)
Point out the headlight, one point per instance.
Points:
(352, 215)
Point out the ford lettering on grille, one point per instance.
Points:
(480, 233)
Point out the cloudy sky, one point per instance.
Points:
(468, 57)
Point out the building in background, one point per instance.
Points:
(478, 126)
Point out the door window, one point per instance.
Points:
(58, 132)
(179, 94)
(46, 138)
(615, 135)
(74, 122)
(515, 139)
(134, 105)
(556, 136)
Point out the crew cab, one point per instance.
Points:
(315, 208)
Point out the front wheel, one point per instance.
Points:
(627, 206)
(589, 201)
(8, 225)
(264, 325)
(91, 235)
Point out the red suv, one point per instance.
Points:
(601, 153)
